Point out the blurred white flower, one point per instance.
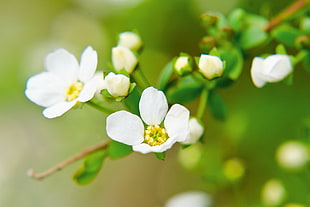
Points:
(292, 155)
(272, 69)
(195, 131)
(190, 199)
(117, 84)
(128, 128)
(210, 66)
(272, 193)
(123, 58)
(65, 83)
(130, 40)
(183, 65)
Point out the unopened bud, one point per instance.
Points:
(207, 43)
(130, 40)
(210, 66)
(303, 42)
(183, 65)
(209, 19)
(226, 33)
(123, 58)
(117, 84)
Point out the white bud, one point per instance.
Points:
(123, 58)
(117, 84)
(272, 69)
(211, 66)
(195, 131)
(130, 40)
(273, 193)
(183, 65)
(191, 198)
(292, 155)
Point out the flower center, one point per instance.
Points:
(74, 90)
(155, 135)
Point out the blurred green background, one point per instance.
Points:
(258, 120)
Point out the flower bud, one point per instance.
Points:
(209, 19)
(292, 155)
(130, 40)
(123, 58)
(210, 66)
(183, 65)
(303, 42)
(226, 33)
(273, 193)
(207, 43)
(195, 131)
(272, 69)
(117, 84)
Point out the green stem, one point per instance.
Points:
(299, 57)
(203, 103)
(145, 81)
(100, 108)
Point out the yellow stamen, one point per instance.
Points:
(155, 135)
(74, 90)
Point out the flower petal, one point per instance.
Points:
(88, 64)
(125, 127)
(89, 89)
(153, 106)
(62, 64)
(277, 67)
(45, 89)
(257, 72)
(177, 122)
(145, 148)
(58, 109)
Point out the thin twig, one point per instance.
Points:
(33, 174)
(289, 11)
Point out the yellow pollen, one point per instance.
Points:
(74, 90)
(155, 135)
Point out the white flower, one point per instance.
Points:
(292, 155)
(65, 83)
(123, 58)
(183, 65)
(195, 131)
(130, 40)
(129, 129)
(210, 66)
(117, 84)
(273, 192)
(190, 199)
(272, 69)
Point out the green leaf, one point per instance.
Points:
(280, 49)
(165, 76)
(118, 150)
(91, 167)
(234, 63)
(215, 52)
(236, 18)
(286, 34)
(132, 101)
(252, 37)
(160, 155)
(187, 90)
(217, 106)
(306, 62)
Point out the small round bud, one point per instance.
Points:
(303, 42)
(183, 65)
(117, 84)
(210, 66)
(130, 40)
(272, 193)
(209, 19)
(207, 44)
(292, 155)
(226, 33)
(123, 58)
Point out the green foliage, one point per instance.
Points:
(286, 34)
(160, 155)
(217, 105)
(118, 150)
(234, 63)
(165, 76)
(91, 167)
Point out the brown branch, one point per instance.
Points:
(289, 11)
(31, 173)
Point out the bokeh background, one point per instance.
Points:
(258, 119)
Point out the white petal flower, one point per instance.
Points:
(123, 58)
(195, 131)
(117, 84)
(155, 137)
(272, 69)
(191, 198)
(210, 66)
(273, 192)
(65, 83)
(130, 40)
